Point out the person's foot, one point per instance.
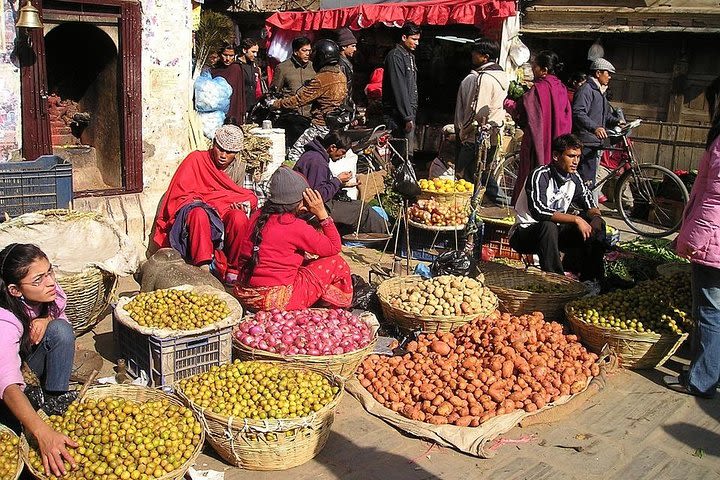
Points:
(677, 384)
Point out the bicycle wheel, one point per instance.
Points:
(651, 200)
(505, 174)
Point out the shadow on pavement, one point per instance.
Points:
(348, 461)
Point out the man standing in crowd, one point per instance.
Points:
(323, 94)
(314, 165)
(294, 72)
(543, 225)
(348, 45)
(231, 71)
(254, 84)
(480, 105)
(399, 90)
(592, 114)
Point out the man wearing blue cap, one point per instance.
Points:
(592, 114)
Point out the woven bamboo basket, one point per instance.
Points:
(88, 295)
(341, 365)
(410, 321)
(634, 350)
(20, 463)
(436, 228)
(507, 283)
(127, 392)
(269, 445)
(458, 198)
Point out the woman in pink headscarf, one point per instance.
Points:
(544, 113)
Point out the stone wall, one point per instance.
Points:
(166, 93)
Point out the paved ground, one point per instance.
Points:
(634, 429)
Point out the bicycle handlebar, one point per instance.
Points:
(621, 131)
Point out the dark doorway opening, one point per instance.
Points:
(84, 109)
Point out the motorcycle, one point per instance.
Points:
(291, 121)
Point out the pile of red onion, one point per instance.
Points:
(305, 332)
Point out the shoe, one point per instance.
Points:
(676, 383)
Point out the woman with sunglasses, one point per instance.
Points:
(34, 330)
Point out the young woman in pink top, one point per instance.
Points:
(699, 241)
(33, 329)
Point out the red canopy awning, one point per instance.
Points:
(481, 13)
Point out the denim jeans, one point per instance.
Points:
(704, 373)
(52, 359)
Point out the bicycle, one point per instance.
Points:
(646, 195)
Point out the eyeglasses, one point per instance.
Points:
(40, 279)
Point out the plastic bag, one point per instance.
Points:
(364, 294)
(211, 121)
(212, 94)
(405, 182)
(453, 262)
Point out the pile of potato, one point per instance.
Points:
(483, 369)
(447, 295)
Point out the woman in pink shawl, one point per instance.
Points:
(544, 112)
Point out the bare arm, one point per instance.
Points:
(52, 444)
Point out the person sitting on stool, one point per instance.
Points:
(544, 227)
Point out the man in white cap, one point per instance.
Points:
(204, 211)
(592, 114)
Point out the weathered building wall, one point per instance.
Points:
(166, 93)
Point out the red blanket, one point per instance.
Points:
(197, 178)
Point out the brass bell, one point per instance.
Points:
(29, 17)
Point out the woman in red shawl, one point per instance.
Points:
(204, 211)
(276, 268)
(543, 113)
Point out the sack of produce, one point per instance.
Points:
(212, 94)
(464, 388)
(179, 310)
(255, 425)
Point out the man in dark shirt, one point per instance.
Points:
(400, 94)
(348, 47)
(294, 72)
(254, 84)
(544, 227)
(314, 164)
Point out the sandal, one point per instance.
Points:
(676, 383)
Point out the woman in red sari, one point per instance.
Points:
(543, 113)
(203, 210)
(275, 269)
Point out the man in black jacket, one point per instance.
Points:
(400, 94)
(592, 114)
(348, 46)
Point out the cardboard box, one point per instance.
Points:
(371, 185)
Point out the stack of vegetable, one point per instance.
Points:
(176, 309)
(446, 295)
(638, 259)
(305, 332)
(655, 306)
(9, 453)
(481, 370)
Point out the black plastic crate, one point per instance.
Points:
(41, 184)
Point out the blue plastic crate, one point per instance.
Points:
(40, 184)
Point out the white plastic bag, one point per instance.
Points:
(212, 94)
(211, 121)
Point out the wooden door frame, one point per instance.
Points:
(36, 137)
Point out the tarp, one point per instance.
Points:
(481, 13)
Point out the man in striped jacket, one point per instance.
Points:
(543, 225)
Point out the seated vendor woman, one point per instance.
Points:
(544, 227)
(34, 331)
(314, 164)
(203, 210)
(276, 271)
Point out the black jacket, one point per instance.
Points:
(591, 110)
(347, 68)
(400, 94)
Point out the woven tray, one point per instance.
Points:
(633, 349)
(341, 365)
(20, 463)
(507, 283)
(247, 443)
(673, 268)
(410, 321)
(135, 394)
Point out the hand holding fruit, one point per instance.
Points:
(53, 450)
